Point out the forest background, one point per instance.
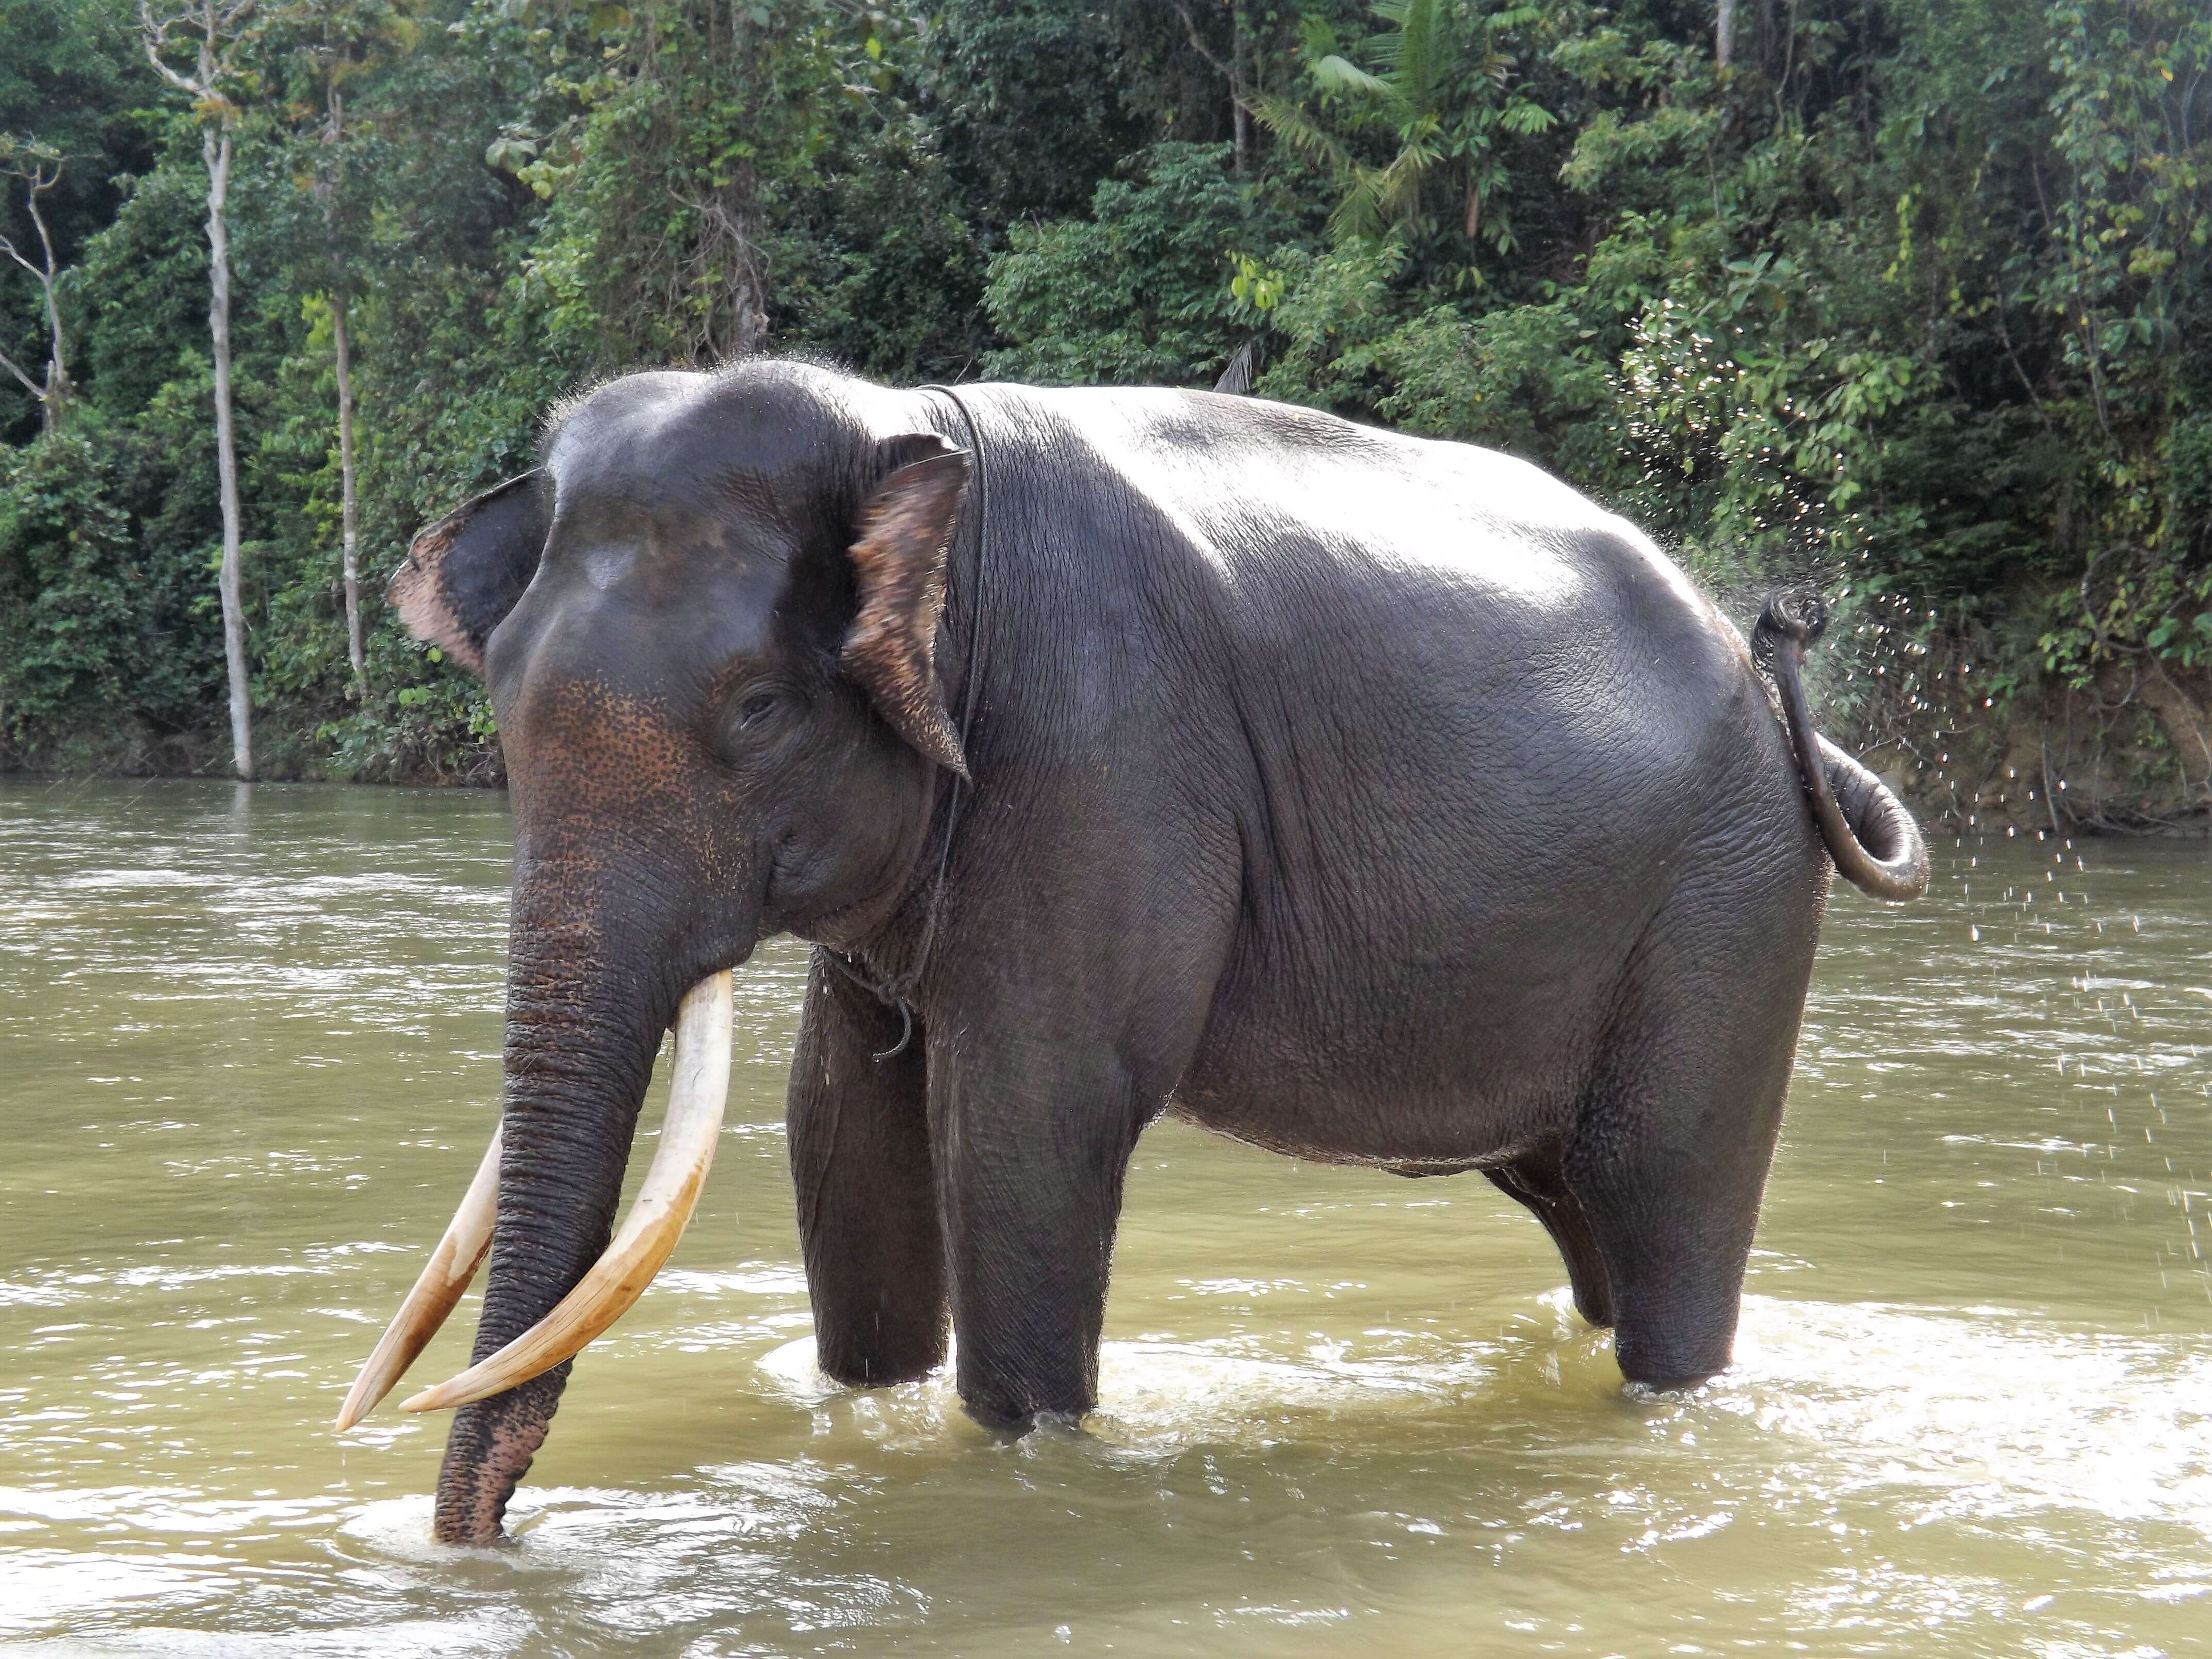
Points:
(1906, 298)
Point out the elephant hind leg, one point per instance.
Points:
(1533, 1179)
(1669, 1153)
(1668, 1173)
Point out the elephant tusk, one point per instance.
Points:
(655, 1222)
(450, 1267)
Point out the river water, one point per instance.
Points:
(249, 1055)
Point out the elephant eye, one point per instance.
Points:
(754, 720)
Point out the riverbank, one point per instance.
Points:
(2131, 754)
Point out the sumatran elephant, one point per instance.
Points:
(1374, 799)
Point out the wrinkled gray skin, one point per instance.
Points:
(1374, 799)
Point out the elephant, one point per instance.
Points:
(1121, 751)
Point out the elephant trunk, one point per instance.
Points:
(584, 1021)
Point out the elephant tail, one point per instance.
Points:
(1876, 846)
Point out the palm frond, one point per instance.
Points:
(1419, 51)
(1299, 130)
(1317, 38)
(1339, 74)
(1360, 214)
(1398, 185)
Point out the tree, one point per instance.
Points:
(1911, 293)
(1141, 292)
(348, 498)
(1237, 72)
(1445, 100)
(350, 39)
(40, 168)
(212, 31)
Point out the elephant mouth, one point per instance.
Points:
(698, 1092)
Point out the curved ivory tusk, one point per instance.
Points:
(450, 1267)
(656, 1221)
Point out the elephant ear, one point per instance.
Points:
(463, 575)
(899, 560)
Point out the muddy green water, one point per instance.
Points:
(248, 1056)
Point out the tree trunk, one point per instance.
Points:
(1240, 79)
(54, 394)
(348, 516)
(216, 151)
(1724, 34)
(53, 400)
(55, 403)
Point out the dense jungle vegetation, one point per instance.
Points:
(1906, 296)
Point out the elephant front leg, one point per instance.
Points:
(1030, 1164)
(867, 1209)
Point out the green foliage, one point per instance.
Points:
(71, 81)
(1445, 97)
(1032, 102)
(96, 632)
(66, 622)
(1912, 297)
(1139, 291)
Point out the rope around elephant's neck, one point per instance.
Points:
(897, 991)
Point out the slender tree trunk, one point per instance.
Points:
(1235, 72)
(1240, 82)
(1724, 34)
(55, 403)
(348, 516)
(215, 146)
(53, 395)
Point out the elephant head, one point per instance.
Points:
(708, 624)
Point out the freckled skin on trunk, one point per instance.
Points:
(487, 1451)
